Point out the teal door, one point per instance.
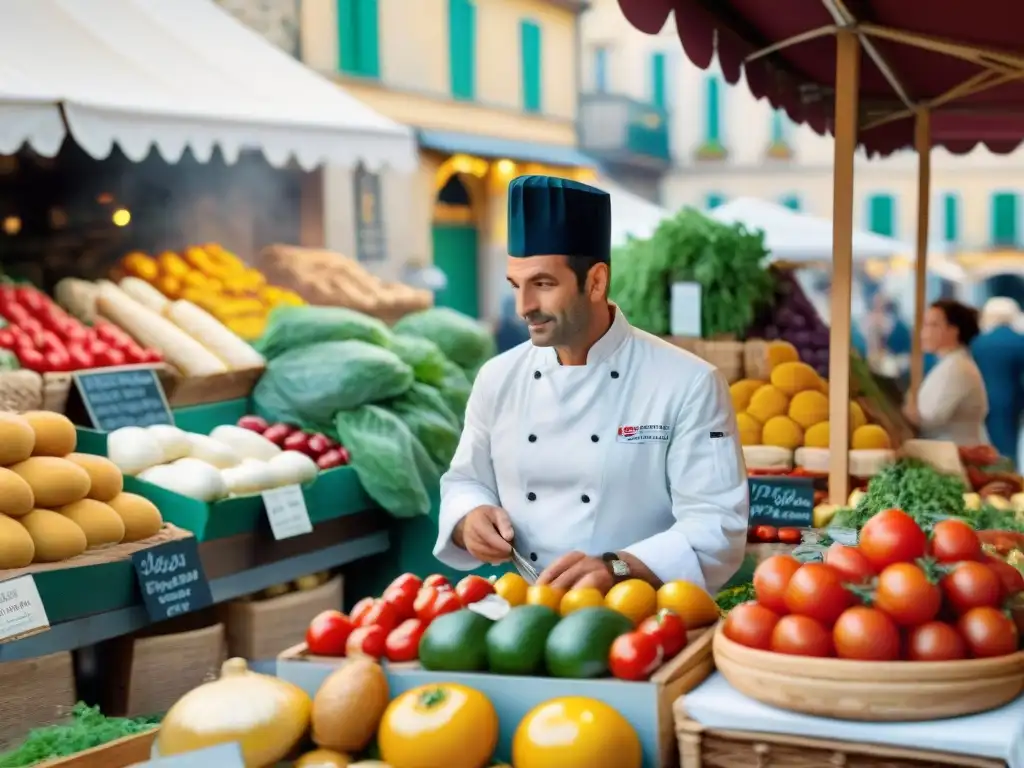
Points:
(455, 255)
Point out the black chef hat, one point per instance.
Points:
(552, 216)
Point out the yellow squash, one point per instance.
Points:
(690, 602)
(266, 716)
(634, 598)
(512, 587)
(575, 732)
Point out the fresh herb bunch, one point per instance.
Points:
(914, 487)
(730, 597)
(88, 728)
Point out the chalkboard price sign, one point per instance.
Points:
(172, 579)
(123, 397)
(782, 501)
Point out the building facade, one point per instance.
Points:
(725, 144)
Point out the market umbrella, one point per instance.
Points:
(632, 215)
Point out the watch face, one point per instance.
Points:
(619, 568)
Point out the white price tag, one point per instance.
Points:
(220, 756)
(286, 510)
(21, 609)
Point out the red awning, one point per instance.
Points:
(933, 50)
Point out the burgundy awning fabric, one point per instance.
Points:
(800, 78)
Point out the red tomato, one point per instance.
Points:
(402, 600)
(668, 629)
(473, 589)
(790, 535)
(409, 581)
(403, 643)
(771, 578)
(866, 634)
(905, 593)
(850, 562)
(327, 634)
(750, 624)
(801, 636)
(381, 614)
(891, 537)
(6, 338)
(359, 610)
(366, 641)
(32, 359)
(766, 533)
(110, 358)
(953, 541)
(988, 632)
(634, 656)
(436, 580)
(432, 602)
(80, 359)
(1012, 579)
(935, 641)
(817, 591)
(972, 585)
(57, 360)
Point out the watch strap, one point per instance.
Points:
(618, 567)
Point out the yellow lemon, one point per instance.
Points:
(512, 587)
(544, 595)
(634, 599)
(691, 603)
(587, 597)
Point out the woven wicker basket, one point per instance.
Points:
(36, 692)
(726, 356)
(21, 391)
(56, 387)
(755, 360)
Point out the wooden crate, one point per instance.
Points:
(39, 691)
(701, 747)
(261, 629)
(148, 673)
(129, 751)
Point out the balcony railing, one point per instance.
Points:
(619, 129)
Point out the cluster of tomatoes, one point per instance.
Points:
(896, 595)
(391, 626)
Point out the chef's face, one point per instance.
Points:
(557, 309)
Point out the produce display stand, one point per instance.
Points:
(203, 419)
(646, 705)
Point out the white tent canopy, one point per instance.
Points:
(174, 74)
(632, 216)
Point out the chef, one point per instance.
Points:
(598, 451)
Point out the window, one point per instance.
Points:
(882, 214)
(601, 69)
(462, 48)
(950, 217)
(358, 37)
(1005, 218)
(658, 80)
(791, 201)
(712, 110)
(529, 48)
(712, 200)
(780, 127)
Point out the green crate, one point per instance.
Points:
(203, 419)
(69, 593)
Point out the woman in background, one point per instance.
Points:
(951, 403)
(999, 353)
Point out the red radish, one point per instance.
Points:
(320, 444)
(332, 458)
(346, 457)
(253, 424)
(276, 433)
(298, 441)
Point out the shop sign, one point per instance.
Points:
(21, 609)
(172, 579)
(129, 396)
(782, 501)
(371, 241)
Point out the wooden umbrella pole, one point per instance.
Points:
(847, 95)
(923, 144)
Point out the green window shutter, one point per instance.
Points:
(462, 48)
(712, 109)
(1005, 216)
(348, 38)
(778, 127)
(368, 32)
(792, 202)
(882, 215)
(712, 200)
(529, 48)
(658, 80)
(950, 218)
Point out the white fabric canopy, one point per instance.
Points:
(175, 74)
(632, 216)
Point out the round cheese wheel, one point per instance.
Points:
(16, 497)
(55, 537)
(55, 434)
(101, 524)
(16, 546)
(106, 479)
(140, 516)
(17, 438)
(54, 482)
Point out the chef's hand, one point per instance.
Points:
(576, 570)
(486, 533)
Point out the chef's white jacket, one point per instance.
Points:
(637, 450)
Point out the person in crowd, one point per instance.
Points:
(511, 330)
(999, 354)
(951, 403)
(596, 452)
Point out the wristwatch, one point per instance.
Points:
(618, 566)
